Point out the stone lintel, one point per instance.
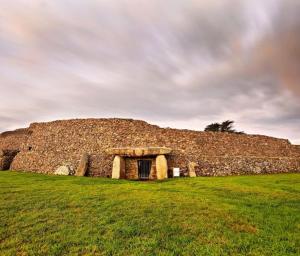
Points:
(138, 152)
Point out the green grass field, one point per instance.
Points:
(55, 215)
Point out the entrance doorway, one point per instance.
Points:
(7, 159)
(144, 167)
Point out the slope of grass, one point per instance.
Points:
(55, 215)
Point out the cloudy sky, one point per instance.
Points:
(176, 63)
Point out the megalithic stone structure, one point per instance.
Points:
(118, 170)
(43, 147)
(83, 165)
(161, 167)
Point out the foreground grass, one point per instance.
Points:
(54, 215)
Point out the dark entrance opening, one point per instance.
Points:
(144, 167)
(7, 159)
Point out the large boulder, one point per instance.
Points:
(63, 170)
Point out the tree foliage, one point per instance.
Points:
(226, 126)
(214, 127)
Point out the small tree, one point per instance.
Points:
(214, 127)
(226, 126)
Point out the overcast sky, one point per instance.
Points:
(176, 63)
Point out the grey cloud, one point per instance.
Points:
(164, 61)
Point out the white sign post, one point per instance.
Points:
(176, 172)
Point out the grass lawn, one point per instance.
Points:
(63, 215)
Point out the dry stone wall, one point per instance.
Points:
(10, 144)
(14, 140)
(222, 166)
(46, 146)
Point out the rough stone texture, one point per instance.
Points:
(46, 146)
(161, 167)
(131, 167)
(11, 143)
(222, 166)
(191, 169)
(14, 140)
(63, 170)
(83, 165)
(137, 152)
(118, 170)
(6, 158)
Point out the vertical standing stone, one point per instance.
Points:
(118, 171)
(191, 169)
(161, 167)
(83, 165)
